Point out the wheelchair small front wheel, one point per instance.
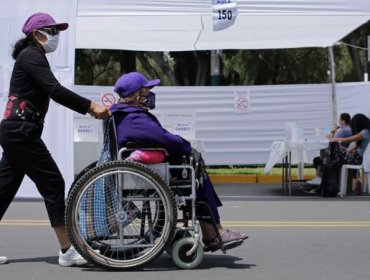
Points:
(179, 234)
(179, 250)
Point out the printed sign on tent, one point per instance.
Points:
(242, 102)
(85, 129)
(180, 122)
(224, 14)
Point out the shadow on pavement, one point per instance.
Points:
(50, 260)
(165, 263)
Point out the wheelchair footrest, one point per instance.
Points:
(224, 247)
(233, 244)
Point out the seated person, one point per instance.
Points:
(135, 124)
(360, 126)
(344, 129)
(315, 182)
(341, 131)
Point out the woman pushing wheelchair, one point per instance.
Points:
(134, 123)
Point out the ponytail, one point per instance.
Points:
(21, 45)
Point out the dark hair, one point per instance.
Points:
(21, 44)
(358, 123)
(345, 117)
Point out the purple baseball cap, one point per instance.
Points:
(131, 82)
(40, 20)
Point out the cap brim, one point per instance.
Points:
(152, 83)
(60, 26)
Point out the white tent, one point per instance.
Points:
(177, 25)
(162, 25)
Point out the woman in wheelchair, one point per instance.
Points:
(135, 124)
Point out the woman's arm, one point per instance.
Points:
(349, 139)
(37, 67)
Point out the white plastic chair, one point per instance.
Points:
(364, 169)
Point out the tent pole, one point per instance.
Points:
(333, 88)
(215, 68)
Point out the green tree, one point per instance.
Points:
(238, 67)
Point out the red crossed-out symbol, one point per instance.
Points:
(108, 99)
(242, 104)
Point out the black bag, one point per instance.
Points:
(330, 179)
(333, 151)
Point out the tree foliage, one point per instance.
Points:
(237, 67)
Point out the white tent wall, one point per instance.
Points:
(177, 25)
(58, 131)
(228, 137)
(231, 138)
(353, 99)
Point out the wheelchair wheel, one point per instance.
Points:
(138, 218)
(179, 234)
(82, 172)
(179, 250)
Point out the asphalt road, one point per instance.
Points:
(298, 237)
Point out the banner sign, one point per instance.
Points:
(224, 14)
(85, 129)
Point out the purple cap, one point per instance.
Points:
(40, 20)
(131, 82)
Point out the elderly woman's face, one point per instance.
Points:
(139, 96)
(144, 91)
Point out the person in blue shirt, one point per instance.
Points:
(134, 123)
(344, 130)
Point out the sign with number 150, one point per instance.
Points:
(224, 14)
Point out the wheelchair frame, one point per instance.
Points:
(181, 242)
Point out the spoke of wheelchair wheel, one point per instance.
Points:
(150, 224)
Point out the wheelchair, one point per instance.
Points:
(146, 212)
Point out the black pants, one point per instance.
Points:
(24, 153)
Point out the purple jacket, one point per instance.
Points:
(137, 125)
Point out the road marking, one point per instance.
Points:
(25, 223)
(242, 224)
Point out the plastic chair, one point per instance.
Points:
(364, 169)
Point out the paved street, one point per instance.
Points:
(298, 237)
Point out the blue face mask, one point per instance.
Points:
(149, 103)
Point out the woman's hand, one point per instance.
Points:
(99, 111)
(330, 138)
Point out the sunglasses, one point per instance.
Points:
(51, 30)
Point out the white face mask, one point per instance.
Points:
(51, 43)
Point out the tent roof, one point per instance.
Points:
(177, 25)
